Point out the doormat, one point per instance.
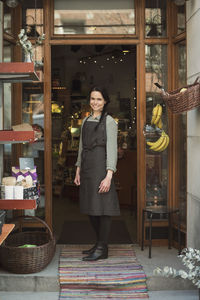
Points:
(118, 277)
(81, 232)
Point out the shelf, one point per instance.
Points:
(11, 136)
(18, 204)
(18, 72)
(6, 229)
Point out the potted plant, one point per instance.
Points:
(191, 259)
(27, 46)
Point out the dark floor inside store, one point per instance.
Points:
(66, 211)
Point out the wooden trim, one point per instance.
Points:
(141, 119)
(92, 41)
(94, 36)
(153, 41)
(47, 117)
(170, 115)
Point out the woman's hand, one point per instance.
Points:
(77, 177)
(106, 182)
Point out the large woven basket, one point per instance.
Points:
(27, 260)
(181, 102)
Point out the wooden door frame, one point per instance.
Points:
(140, 41)
(50, 40)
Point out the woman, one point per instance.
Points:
(96, 164)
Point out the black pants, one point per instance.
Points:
(101, 226)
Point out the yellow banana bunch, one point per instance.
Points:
(156, 115)
(161, 144)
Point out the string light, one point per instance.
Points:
(111, 57)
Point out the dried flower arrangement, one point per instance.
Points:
(27, 46)
(191, 259)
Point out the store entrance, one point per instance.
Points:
(75, 69)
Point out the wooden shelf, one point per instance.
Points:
(18, 72)
(6, 229)
(12, 136)
(18, 204)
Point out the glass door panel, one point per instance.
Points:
(156, 160)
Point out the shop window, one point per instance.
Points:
(94, 17)
(156, 161)
(33, 113)
(155, 18)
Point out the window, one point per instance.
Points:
(156, 162)
(94, 17)
(155, 18)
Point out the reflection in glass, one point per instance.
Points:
(156, 162)
(7, 52)
(33, 113)
(7, 19)
(180, 19)
(155, 18)
(34, 22)
(94, 17)
(182, 137)
(7, 94)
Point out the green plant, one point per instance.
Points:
(26, 45)
(191, 259)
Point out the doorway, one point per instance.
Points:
(75, 69)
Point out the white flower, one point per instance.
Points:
(190, 266)
(183, 274)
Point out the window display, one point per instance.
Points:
(156, 128)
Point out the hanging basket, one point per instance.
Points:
(179, 102)
(27, 260)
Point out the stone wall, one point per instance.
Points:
(193, 127)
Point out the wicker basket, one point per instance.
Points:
(27, 260)
(185, 101)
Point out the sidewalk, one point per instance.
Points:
(44, 285)
(164, 295)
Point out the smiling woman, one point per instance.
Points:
(96, 164)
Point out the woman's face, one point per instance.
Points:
(97, 102)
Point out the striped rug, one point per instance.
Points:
(118, 277)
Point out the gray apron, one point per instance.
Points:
(93, 171)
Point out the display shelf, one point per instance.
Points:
(18, 72)
(13, 136)
(18, 204)
(6, 229)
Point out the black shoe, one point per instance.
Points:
(91, 250)
(101, 252)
